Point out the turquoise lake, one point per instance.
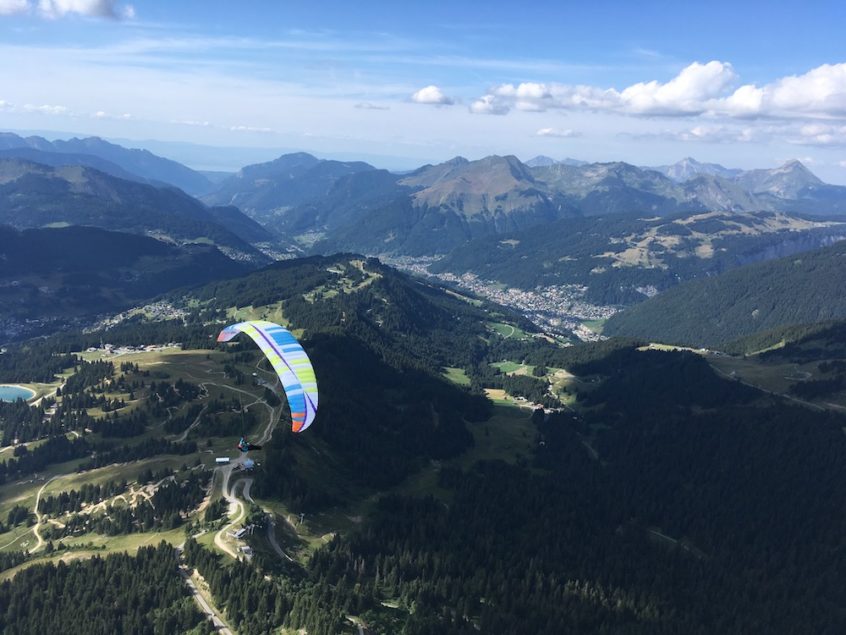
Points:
(13, 393)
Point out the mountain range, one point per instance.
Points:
(621, 233)
(108, 157)
(655, 492)
(34, 195)
(329, 205)
(689, 168)
(325, 205)
(50, 278)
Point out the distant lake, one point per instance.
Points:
(13, 393)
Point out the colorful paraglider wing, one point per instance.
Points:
(290, 362)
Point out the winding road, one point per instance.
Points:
(235, 504)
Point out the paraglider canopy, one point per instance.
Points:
(290, 362)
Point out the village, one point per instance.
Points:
(559, 309)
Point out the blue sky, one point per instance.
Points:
(745, 84)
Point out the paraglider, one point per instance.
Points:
(291, 364)
(245, 446)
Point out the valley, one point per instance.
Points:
(497, 360)
(422, 319)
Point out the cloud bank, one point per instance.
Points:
(557, 132)
(13, 7)
(54, 9)
(699, 89)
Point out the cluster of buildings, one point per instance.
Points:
(558, 308)
(111, 349)
(240, 535)
(155, 312)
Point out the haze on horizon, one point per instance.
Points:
(746, 86)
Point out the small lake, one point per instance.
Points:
(13, 393)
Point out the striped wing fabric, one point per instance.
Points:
(290, 362)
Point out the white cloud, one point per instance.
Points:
(842, 164)
(88, 8)
(699, 89)
(687, 93)
(366, 105)
(820, 134)
(717, 134)
(487, 105)
(101, 114)
(45, 109)
(5, 105)
(13, 7)
(249, 129)
(192, 122)
(711, 134)
(432, 95)
(557, 132)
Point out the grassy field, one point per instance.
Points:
(508, 435)
(499, 397)
(507, 367)
(774, 377)
(456, 376)
(461, 296)
(270, 312)
(595, 325)
(654, 346)
(89, 545)
(508, 331)
(564, 385)
(343, 284)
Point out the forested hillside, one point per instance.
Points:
(620, 259)
(34, 195)
(658, 511)
(102, 596)
(52, 277)
(801, 289)
(656, 503)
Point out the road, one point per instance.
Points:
(736, 377)
(205, 607)
(271, 524)
(271, 537)
(235, 505)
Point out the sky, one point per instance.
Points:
(745, 84)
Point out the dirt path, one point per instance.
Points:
(193, 425)
(37, 527)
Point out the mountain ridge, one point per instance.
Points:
(439, 207)
(144, 164)
(801, 289)
(33, 195)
